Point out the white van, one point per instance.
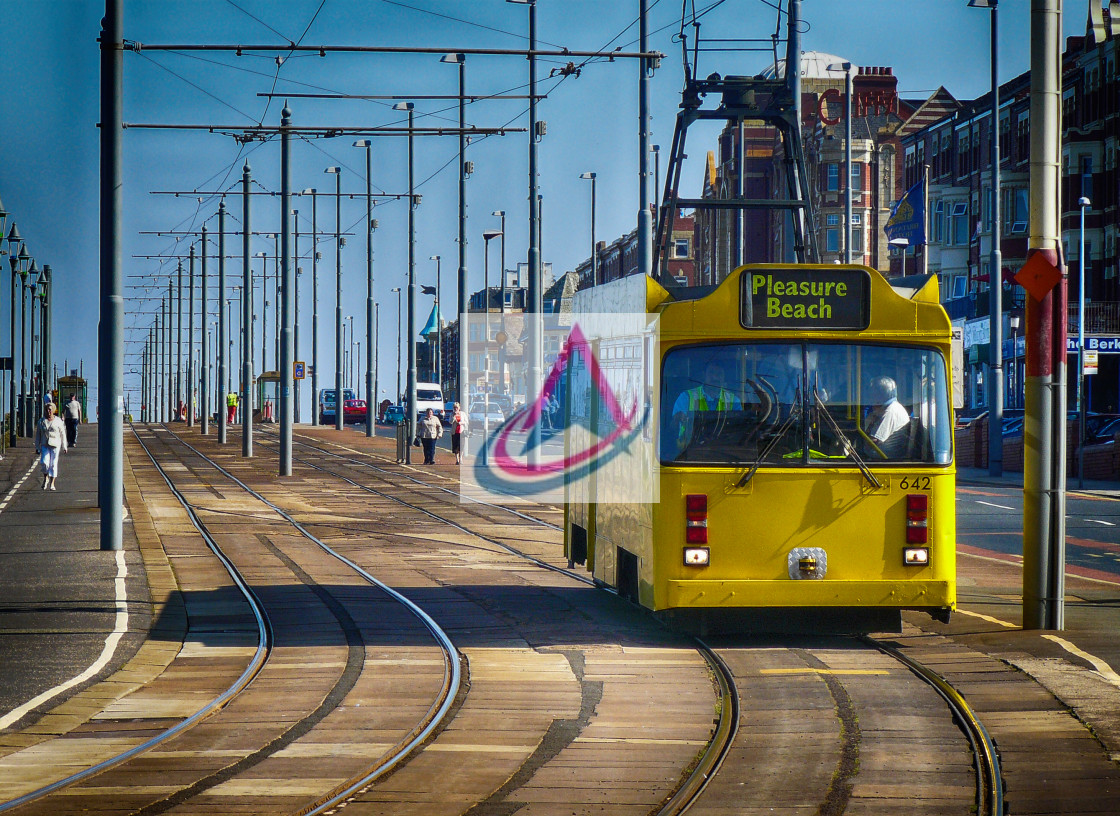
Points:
(429, 395)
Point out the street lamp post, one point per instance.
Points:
(656, 150)
(502, 258)
(1083, 203)
(247, 319)
(337, 172)
(486, 238)
(13, 262)
(439, 323)
(28, 271)
(594, 254)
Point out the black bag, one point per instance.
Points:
(416, 442)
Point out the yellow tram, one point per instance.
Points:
(801, 454)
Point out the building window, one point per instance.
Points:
(1087, 177)
(832, 182)
(938, 221)
(832, 240)
(857, 240)
(958, 224)
(832, 220)
(680, 247)
(857, 177)
(960, 283)
(857, 219)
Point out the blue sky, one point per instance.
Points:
(49, 139)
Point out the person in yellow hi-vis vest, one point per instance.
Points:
(710, 394)
(231, 407)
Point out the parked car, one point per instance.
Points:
(394, 415)
(354, 410)
(480, 415)
(326, 404)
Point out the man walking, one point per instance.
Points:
(231, 407)
(72, 414)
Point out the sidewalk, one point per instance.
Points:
(972, 475)
(58, 590)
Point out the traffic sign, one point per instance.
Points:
(298, 370)
(5, 363)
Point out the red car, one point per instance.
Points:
(354, 410)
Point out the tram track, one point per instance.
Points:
(435, 713)
(707, 761)
(989, 797)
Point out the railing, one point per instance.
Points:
(1100, 317)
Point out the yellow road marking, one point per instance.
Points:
(824, 671)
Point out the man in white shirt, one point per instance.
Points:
(888, 423)
(72, 415)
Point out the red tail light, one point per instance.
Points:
(917, 518)
(696, 518)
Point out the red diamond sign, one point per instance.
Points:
(1038, 276)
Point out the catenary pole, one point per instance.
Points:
(204, 365)
(246, 317)
(1044, 446)
(191, 372)
(287, 305)
(645, 214)
(995, 279)
(223, 327)
(110, 328)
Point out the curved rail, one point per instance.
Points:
(727, 725)
(453, 669)
(989, 779)
(260, 656)
(414, 480)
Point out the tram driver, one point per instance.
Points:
(693, 405)
(888, 423)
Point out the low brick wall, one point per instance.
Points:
(1102, 461)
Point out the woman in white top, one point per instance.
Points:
(50, 441)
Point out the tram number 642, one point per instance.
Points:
(915, 483)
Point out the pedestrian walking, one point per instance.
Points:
(431, 429)
(458, 428)
(50, 442)
(231, 407)
(72, 414)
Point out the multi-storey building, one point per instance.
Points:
(957, 149)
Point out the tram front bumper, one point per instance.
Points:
(915, 594)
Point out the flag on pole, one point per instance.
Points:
(427, 290)
(908, 217)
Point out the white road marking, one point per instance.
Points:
(1105, 671)
(1105, 523)
(16, 486)
(120, 627)
(1000, 506)
(987, 618)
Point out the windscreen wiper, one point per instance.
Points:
(849, 448)
(794, 415)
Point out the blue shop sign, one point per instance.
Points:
(1104, 345)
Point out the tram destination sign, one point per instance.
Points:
(805, 298)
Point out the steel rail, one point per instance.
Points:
(260, 657)
(989, 779)
(989, 791)
(727, 725)
(414, 480)
(453, 677)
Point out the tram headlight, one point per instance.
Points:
(916, 556)
(696, 556)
